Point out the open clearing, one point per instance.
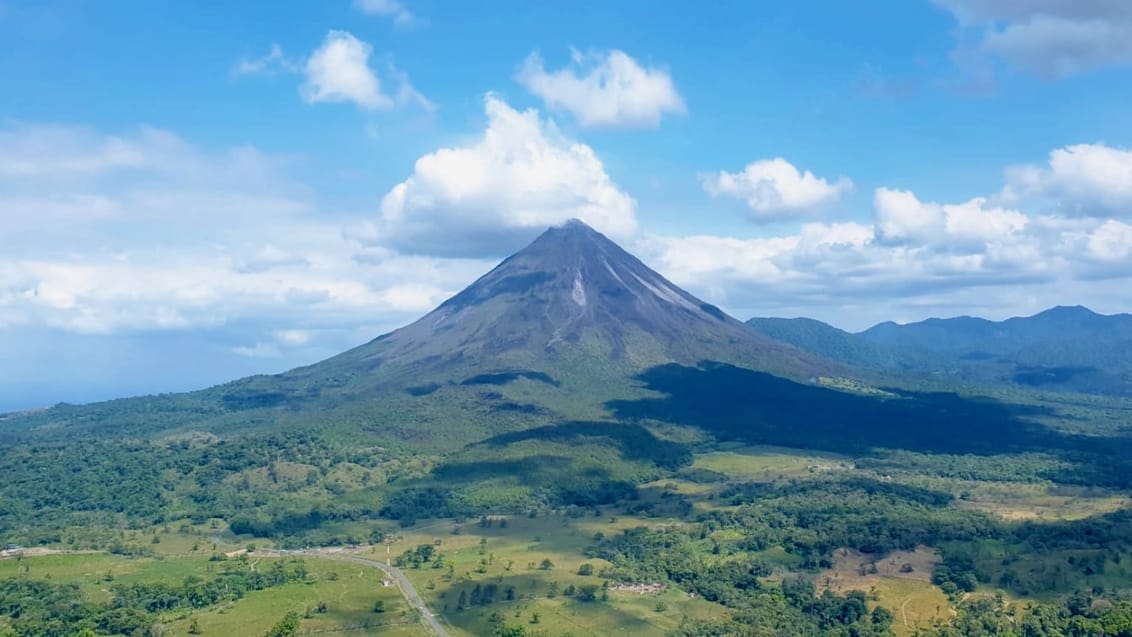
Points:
(349, 592)
(908, 594)
(1012, 501)
(511, 556)
(763, 462)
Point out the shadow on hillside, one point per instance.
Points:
(753, 407)
(632, 441)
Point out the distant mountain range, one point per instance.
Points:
(1063, 348)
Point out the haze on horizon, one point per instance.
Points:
(179, 210)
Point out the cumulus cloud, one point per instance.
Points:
(609, 90)
(1111, 242)
(1043, 240)
(775, 189)
(1049, 38)
(521, 176)
(902, 217)
(1084, 179)
(339, 71)
(389, 8)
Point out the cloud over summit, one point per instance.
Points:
(500, 191)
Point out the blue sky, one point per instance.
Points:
(190, 192)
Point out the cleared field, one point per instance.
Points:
(1012, 501)
(511, 557)
(349, 593)
(899, 582)
(765, 462)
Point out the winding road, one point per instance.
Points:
(403, 583)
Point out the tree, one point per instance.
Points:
(286, 627)
(194, 626)
(546, 564)
(379, 606)
(586, 569)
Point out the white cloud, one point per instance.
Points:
(271, 62)
(339, 71)
(143, 231)
(978, 221)
(32, 150)
(976, 12)
(775, 189)
(259, 350)
(1050, 38)
(1084, 179)
(406, 94)
(902, 217)
(390, 8)
(921, 258)
(615, 90)
(292, 337)
(520, 177)
(1111, 242)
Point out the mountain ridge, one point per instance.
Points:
(1068, 348)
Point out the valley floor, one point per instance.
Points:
(572, 571)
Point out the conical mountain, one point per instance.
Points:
(572, 294)
(554, 332)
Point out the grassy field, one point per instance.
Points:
(765, 462)
(348, 591)
(1048, 502)
(899, 581)
(512, 556)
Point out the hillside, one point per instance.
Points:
(1062, 349)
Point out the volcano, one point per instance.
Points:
(571, 292)
(554, 332)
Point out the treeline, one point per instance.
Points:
(814, 518)
(41, 608)
(1080, 615)
(134, 483)
(691, 559)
